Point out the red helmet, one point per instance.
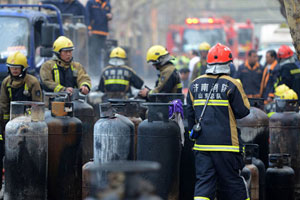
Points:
(219, 54)
(285, 52)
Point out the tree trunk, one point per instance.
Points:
(292, 8)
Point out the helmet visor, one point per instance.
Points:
(12, 65)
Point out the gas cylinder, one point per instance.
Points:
(85, 113)
(26, 152)
(285, 134)
(159, 140)
(94, 99)
(255, 129)
(165, 97)
(113, 136)
(187, 164)
(254, 177)
(130, 109)
(253, 149)
(279, 179)
(64, 161)
(86, 178)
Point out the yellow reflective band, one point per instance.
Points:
(72, 68)
(201, 198)
(9, 90)
(56, 74)
(179, 85)
(25, 87)
(6, 116)
(85, 83)
(211, 102)
(295, 71)
(58, 88)
(1, 138)
(116, 81)
(216, 148)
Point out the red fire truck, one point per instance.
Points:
(186, 37)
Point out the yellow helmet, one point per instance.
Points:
(118, 53)
(62, 43)
(155, 53)
(204, 46)
(281, 89)
(290, 94)
(17, 59)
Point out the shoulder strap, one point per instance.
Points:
(206, 102)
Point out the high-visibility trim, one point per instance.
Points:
(85, 83)
(99, 33)
(295, 71)
(216, 148)
(211, 102)
(248, 198)
(58, 88)
(201, 198)
(179, 85)
(6, 116)
(72, 68)
(1, 138)
(116, 81)
(56, 74)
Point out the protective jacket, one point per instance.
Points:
(268, 80)
(118, 79)
(290, 75)
(250, 77)
(57, 75)
(97, 21)
(227, 103)
(168, 80)
(23, 89)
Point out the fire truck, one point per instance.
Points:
(186, 37)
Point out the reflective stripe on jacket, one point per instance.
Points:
(227, 103)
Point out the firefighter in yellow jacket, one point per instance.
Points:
(168, 78)
(17, 86)
(62, 73)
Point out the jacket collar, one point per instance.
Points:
(249, 67)
(62, 63)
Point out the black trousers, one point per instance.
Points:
(222, 169)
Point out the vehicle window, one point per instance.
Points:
(14, 36)
(244, 36)
(192, 37)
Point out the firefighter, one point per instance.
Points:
(168, 78)
(17, 86)
(269, 77)
(62, 73)
(200, 67)
(117, 78)
(217, 148)
(250, 73)
(289, 72)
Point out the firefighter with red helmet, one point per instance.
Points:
(289, 71)
(215, 101)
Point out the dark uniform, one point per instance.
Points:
(218, 148)
(56, 75)
(290, 75)
(168, 80)
(268, 80)
(116, 81)
(250, 77)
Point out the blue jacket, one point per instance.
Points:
(227, 103)
(75, 7)
(96, 16)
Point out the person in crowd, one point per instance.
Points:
(250, 74)
(194, 58)
(214, 102)
(201, 65)
(117, 78)
(289, 72)
(269, 77)
(17, 86)
(62, 73)
(98, 16)
(168, 78)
